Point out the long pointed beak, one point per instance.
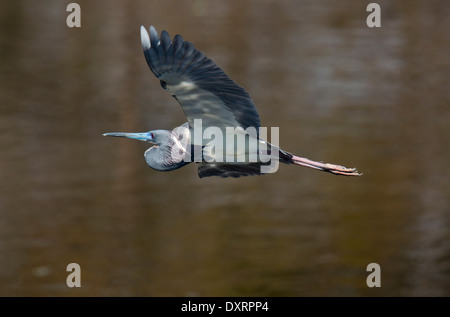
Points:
(145, 136)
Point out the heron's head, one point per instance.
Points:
(154, 136)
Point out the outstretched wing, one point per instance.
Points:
(201, 87)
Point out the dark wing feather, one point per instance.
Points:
(201, 87)
(229, 170)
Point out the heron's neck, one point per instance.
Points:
(169, 155)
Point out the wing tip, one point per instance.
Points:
(154, 34)
(145, 38)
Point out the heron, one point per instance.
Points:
(209, 96)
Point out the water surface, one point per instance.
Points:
(340, 92)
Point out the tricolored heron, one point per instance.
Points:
(206, 93)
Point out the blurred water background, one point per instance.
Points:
(341, 92)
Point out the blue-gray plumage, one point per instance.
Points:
(206, 93)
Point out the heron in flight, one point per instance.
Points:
(209, 97)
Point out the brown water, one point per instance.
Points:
(341, 92)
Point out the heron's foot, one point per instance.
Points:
(341, 170)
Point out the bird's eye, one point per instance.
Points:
(152, 135)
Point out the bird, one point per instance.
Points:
(214, 105)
